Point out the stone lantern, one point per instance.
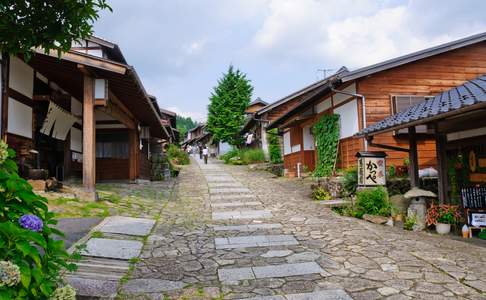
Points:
(418, 206)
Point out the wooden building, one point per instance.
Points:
(83, 114)
(457, 119)
(368, 95)
(252, 129)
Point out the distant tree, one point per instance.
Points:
(184, 124)
(226, 111)
(51, 25)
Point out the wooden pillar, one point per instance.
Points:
(413, 157)
(440, 148)
(89, 136)
(133, 145)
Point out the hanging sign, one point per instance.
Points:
(371, 168)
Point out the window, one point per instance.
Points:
(112, 145)
(400, 103)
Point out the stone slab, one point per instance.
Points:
(317, 295)
(235, 274)
(127, 225)
(271, 271)
(248, 228)
(143, 286)
(93, 287)
(276, 253)
(243, 190)
(111, 248)
(235, 204)
(229, 197)
(286, 270)
(242, 214)
(255, 241)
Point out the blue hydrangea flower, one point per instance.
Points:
(31, 222)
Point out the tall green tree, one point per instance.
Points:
(48, 24)
(226, 110)
(184, 124)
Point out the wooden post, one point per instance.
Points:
(133, 145)
(89, 136)
(440, 148)
(413, 157)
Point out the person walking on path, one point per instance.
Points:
(205, 153)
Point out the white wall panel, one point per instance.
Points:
(348, 114)
(76, 140)
(308, 138)
(19, 118)
(286, 143)
(323, 105)
(340, 98)
(21, 77)
(296, 148)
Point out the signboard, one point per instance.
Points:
(478, 219)
(371, 169)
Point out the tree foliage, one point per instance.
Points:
(51, 25)
(184, 124)
(274, 146)
(226, 111)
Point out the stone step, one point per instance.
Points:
(242, 214)
(235, 204)
(317, 295)
(94, 288)
(112, 248)
(230, 197)
(255, 241)
(233, 275)
(247, 228)
(127, 225)
(217, 191)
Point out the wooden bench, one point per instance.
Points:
(474, 204)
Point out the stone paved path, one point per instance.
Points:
(233, 233)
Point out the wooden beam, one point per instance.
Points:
(89, 136)
(413, 157)
(117, 113)
(113, 98)
(86, 60)
(440, 148)
(133, 145)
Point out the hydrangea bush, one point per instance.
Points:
(31, 260)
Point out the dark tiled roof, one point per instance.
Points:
(470, 93)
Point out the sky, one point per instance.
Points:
(180, 48)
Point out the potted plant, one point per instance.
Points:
(443, 216)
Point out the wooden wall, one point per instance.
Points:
(111, 169)
(429, 76)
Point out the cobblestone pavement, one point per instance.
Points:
(233, 233)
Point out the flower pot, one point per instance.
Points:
(442, 228)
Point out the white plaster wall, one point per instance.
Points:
(340, 98)
(323, 105)
(19, 118)
(21, 77)
(76, 140)
(348, 119)
(308, 138)
(286, 143)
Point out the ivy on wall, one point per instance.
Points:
(326, 134)
(274, 146)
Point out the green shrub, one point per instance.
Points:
(320, 193)
(178, 156)
(326, 133)
(229, 155)
(27, 243)
(252, 155)
(410, 222)
(350, 181)
(373, 201)
(274, 147)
